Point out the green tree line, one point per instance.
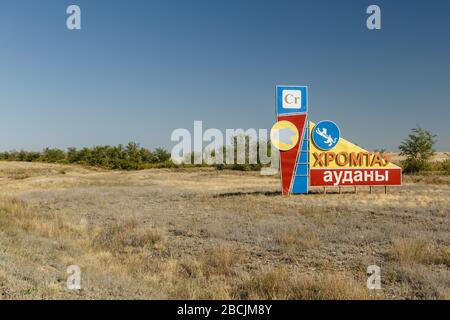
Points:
(417, 150)
(129, 157)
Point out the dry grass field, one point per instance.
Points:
(202, 233)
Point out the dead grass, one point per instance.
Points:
(119, 235)
(283, 284)
(16, 213)
(219, 261)
(12, 206)
(417, 281)
(265, 283)
(203, 234)
(428, 178)
(412, 250)
(297, 238)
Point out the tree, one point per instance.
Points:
(418, 149)
(53, 155)
(160, 155)
(73, 155)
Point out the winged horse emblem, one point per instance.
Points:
(328, 138)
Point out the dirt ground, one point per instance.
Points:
(207, 234)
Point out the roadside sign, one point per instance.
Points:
(290, 135)
(346, 164)
(317, 155)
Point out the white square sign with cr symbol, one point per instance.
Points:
(292, 99)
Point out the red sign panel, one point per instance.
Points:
(355, 177)
(289, 158)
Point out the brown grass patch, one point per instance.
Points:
(119, 235)
(222, 260)
(219, 261)
(16, 214)
(427, 178)
(417, 281)
(282, 284)
(312, 247)
(409, 250)
(12, 206)
(297, 238)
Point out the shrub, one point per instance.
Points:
(131, 157)
(160, 155)
(445, 166)
(53, 155)
(418, 149)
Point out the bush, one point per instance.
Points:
(131, 157)
(52, 155)
(418, 149)
(160, 155)
(445, 166)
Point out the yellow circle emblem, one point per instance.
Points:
(284, 135)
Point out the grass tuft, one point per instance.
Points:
(119, 235)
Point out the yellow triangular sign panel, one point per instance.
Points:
(345, 146)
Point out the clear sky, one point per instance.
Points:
(137, 70)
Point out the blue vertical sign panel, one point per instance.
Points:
(301, 179)
(292, 105)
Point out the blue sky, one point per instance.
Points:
(140, 69)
